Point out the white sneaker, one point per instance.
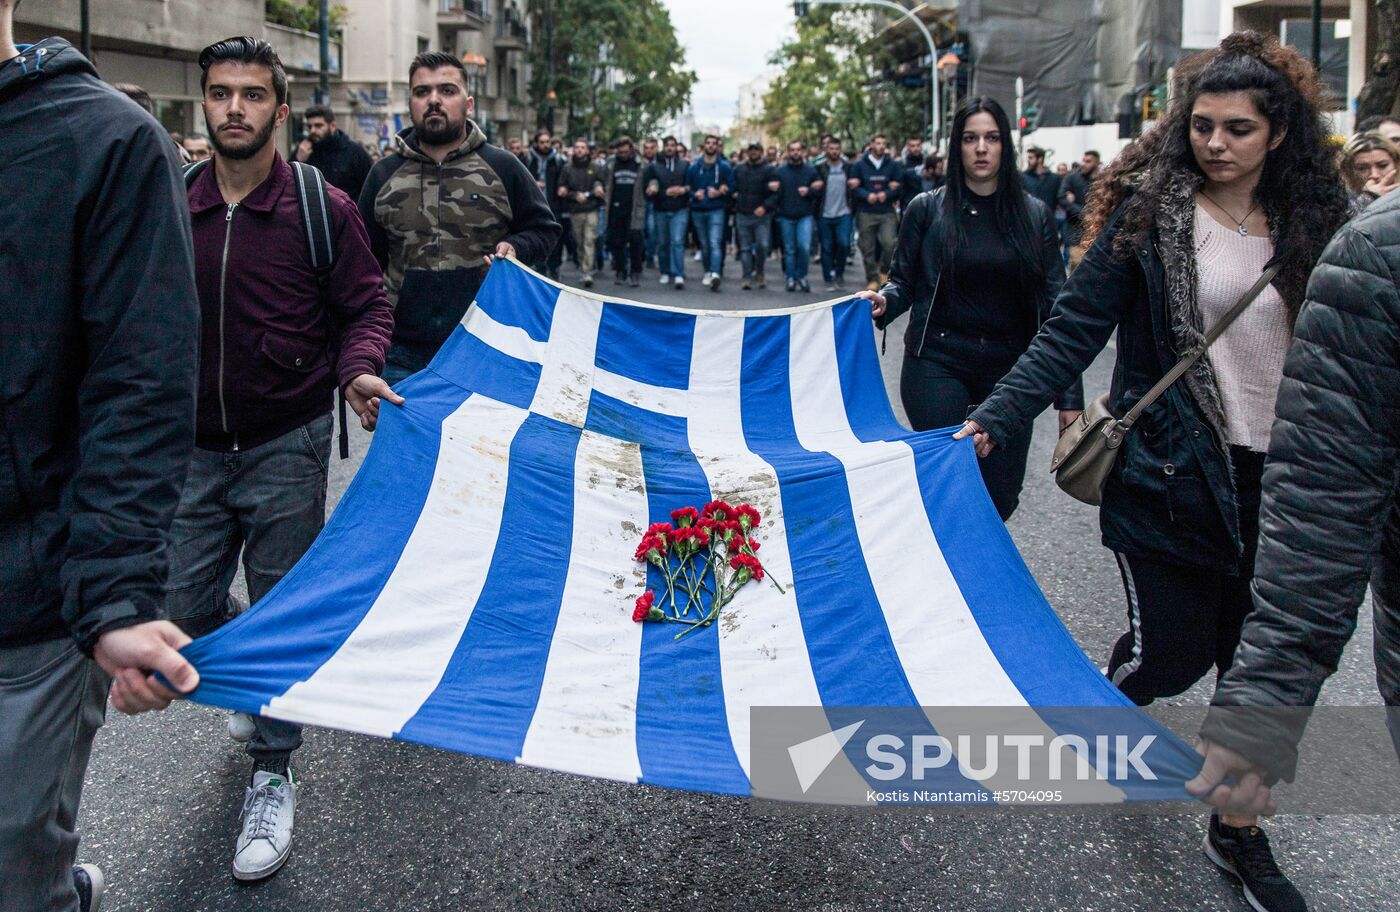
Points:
(265, 841)
(680, 284)
(698, 256)
(665, 280)
(241, 727)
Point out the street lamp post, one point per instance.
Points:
(936, 127)
(323, 26)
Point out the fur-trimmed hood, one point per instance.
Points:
(1175, 239)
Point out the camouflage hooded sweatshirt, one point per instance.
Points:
(430, 225)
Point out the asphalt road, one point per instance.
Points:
(388, 826)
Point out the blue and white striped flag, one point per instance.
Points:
(474, 588)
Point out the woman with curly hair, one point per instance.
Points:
(1371, 167)
(1236, 178)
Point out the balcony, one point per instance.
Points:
(301, 51)
(511, 32)
(463, 15)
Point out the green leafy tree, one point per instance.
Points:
(826, 85)
(304, 14)
(614, 66)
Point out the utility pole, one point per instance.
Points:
(936, 124)
(549, 67)
(84, 29)
(323, 26)
(1317, 36)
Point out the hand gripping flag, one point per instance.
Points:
(474, 588)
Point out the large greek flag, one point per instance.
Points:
(474, 588)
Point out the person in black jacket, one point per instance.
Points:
(97, 403)
(544, 164)
(875, 180)
(1040, 181)
(1182, 224)
(1074, 196)
(978, 264)
(1313, 564)
(342, 160)
(755, 198)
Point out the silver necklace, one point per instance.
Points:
(1238, 222)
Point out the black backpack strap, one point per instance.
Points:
(315, 216)
(192, 170)
(320, 242)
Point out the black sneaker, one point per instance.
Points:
(791, 285)
(1244, 852)
(714, 282)
(802, 286)
(88, 881)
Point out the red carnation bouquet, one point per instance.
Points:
(706, 557)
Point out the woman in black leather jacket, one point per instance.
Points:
(1235, 178)
(978, 264)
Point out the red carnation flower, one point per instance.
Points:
(718, 509)
(649, 544)
(685, 516)
(660, 529)
(749, 518)
(705, 523)
(701, 537)
(753, 544)
(747, 566)
(728, 529)
(644, 603)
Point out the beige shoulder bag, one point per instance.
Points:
(1087, 449)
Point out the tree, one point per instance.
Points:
(827, 86)
(1381, 93)
(303, 14)
(614, 66)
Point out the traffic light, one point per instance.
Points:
(800, 8)
(1030, 119)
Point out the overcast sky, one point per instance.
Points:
(727, 43)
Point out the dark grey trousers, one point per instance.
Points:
(268, 503)
(52, 701)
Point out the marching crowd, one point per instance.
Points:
(176, 338)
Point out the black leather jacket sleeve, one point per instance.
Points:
(1328, 488)
(907, 284)
(1083, 318)
(1072, 397)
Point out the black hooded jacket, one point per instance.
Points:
(342, 160)
(99, 352)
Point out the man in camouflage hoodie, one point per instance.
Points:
(440, 208)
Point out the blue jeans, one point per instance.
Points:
(709, 224)
(834, 235)
(670, 241)
(649, 235)
(797, 246)
(267, 502)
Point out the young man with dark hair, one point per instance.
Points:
(626, 206)
(583, 189)
(440, 208)
(100, 351)
(756, 196)
(1041, 182)
(875, 182)
(833, 211)
(342, 160)
(665, 187)
(544, 165)
(798, 186)
(1074, 192)
(708, 181)
(278, 339)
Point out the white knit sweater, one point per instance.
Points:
(1248, 357)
